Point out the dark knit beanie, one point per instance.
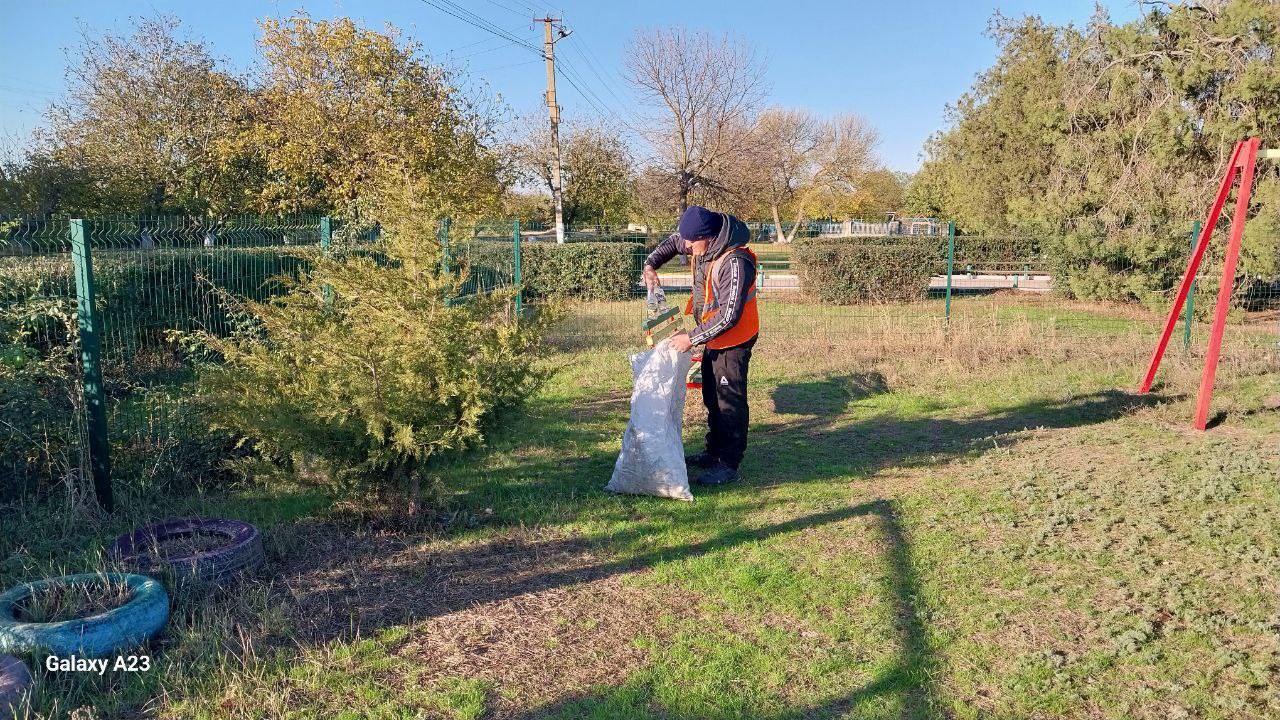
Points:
(698, 223)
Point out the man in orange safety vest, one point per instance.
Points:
(723, 304)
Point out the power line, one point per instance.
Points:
(481, 41)
(612, 79)
(605, 112)
(554, 10)
(603, 108)
(483, 52)
(450, 8)
(506, 7)
(504, 67)
(571, 74)
(593, 99)
(603, 82)
(489, 26)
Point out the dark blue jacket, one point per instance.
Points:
(732, 283)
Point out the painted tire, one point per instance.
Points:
(99, 635)
(241, 553)
(15, 682)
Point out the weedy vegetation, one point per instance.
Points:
(977, 521)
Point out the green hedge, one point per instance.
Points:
(846, 271)
(581, 270)
(648, 240)
(981, 250)
(142, 294)
(977, 250)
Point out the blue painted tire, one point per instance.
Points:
(98, 635)
(15, 685)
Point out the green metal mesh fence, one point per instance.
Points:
(152, 276)
(159, 275)
(484, 255)
(40, 401)
(1000, 287)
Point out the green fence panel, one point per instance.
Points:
(41, 403)
(108, 294)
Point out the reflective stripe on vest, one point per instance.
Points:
(748, 325)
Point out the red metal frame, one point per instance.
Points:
(1226, 287)
(1243, 163)
(697, 360)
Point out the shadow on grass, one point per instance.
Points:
(366, 584)
(828, 396)
(910, 679)
(392, 593)
(1217, 419)
(815, 449)
(355, 586)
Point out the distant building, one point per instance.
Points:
(892, 225)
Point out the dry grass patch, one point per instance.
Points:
(541, 647)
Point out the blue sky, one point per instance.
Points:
(896, 63)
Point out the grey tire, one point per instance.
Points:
(15, 685)
(240, 553)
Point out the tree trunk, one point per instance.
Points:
(777, 225)
(796, 228)
(415, 494)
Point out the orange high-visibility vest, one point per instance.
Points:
(748, 325)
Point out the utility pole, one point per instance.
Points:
(553, 109)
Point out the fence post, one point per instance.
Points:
(91, 367)
(515, 270)
(1191, 294)
(326, 241)
(951, 264)
(443, 237)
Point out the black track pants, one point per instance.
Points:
(724, 392)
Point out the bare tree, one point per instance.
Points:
(709, 90)
(802, 158)
(597, 174)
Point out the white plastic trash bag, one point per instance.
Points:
(652, 457)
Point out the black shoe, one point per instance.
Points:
(721, 474)
(703, 460)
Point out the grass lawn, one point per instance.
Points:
(984, 524)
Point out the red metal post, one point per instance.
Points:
(1227, 286)
(1228, 179)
